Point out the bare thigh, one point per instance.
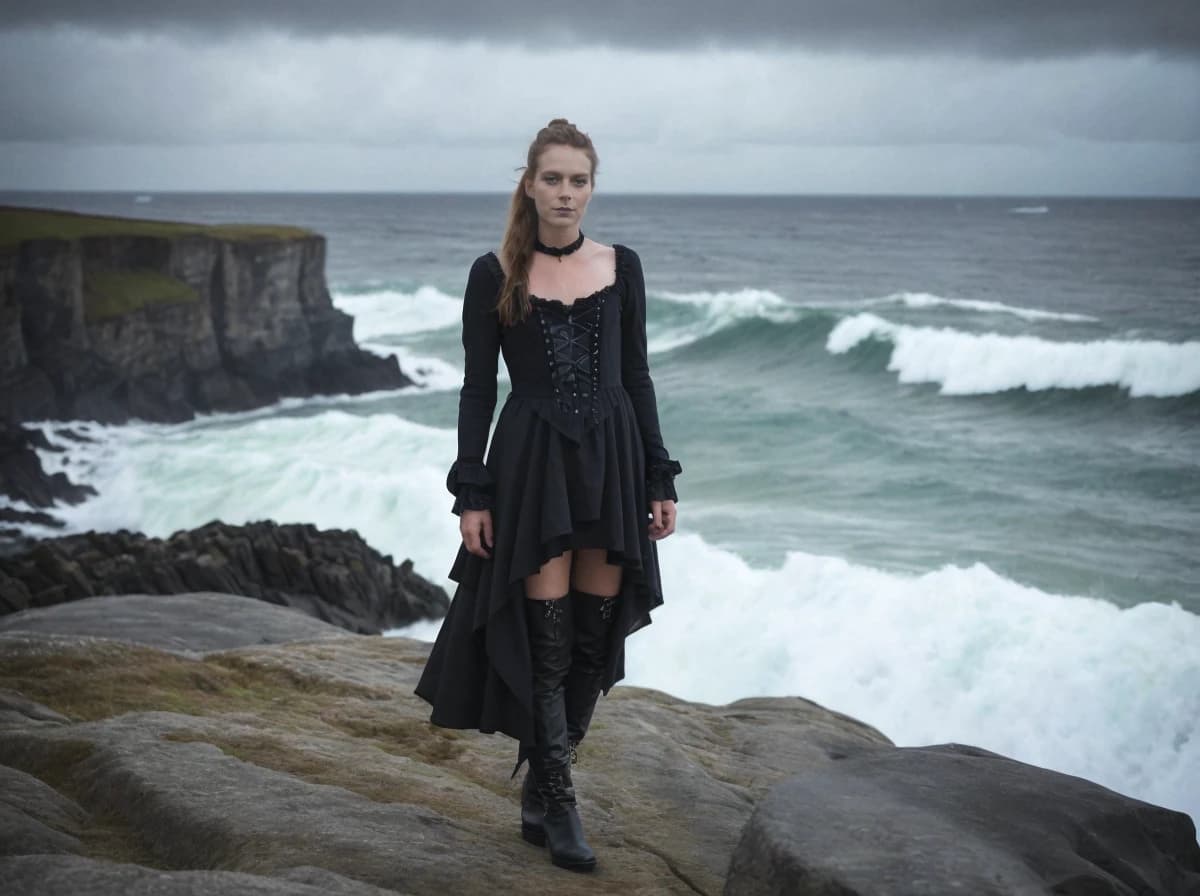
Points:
(593, 573)
(552, 580)
(586, 569)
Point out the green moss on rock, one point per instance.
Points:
(115, 293)
(92, 682)
(19, 224)
(106, 834)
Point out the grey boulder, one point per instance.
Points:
(926, 821)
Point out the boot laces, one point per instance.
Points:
(553, 610)
(554, 788)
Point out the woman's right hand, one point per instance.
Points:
(476, 529)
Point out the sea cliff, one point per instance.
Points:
(116, 318)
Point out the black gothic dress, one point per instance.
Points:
(575, 459)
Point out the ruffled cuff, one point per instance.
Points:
(471, 484)
(660, 479)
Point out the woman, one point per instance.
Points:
(559, 561)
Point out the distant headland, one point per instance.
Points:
(110, 318)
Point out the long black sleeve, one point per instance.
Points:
(635, 376)
(469, 480)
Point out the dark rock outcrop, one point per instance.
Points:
(332, 575)
(21, 473)
(957, 819)
(121, 318)
(23, 479)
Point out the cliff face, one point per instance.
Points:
(108, 327)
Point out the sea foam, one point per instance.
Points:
(392, 312)
(930, 300)
(706, 313)
(384, 319)
(958, 653)
(702, 314)
(965, 363)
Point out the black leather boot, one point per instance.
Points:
(592, 616)
(533, 811)
(549, 623)
(593, 621)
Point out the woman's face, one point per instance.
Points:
(561, 186)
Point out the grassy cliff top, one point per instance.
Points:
(18, 224)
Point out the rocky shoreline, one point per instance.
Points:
(23, 480)
(107, 319)
(111, 319)
(331, 575)
(209, 743)
(215, 712)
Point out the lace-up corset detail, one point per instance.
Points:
(579, 389)
(572, 349)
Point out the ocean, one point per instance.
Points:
(941, 455)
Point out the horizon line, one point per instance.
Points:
(621, 194)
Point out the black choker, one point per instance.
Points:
(558, 251)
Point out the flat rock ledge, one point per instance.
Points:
(188, 624)
(267, 752)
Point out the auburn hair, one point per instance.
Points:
(520, 233)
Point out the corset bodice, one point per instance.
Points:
(576, 377)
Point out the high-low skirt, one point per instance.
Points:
(551, 494)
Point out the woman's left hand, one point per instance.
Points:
(663, 523)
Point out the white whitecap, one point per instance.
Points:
(957, 654)
(339, 467)
(391, 312)
(719, 310)
(931, 300)
(964, 363)
(432, 374)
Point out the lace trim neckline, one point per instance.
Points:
(535, 299)
(538, 300)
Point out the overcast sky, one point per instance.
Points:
(1046, 97)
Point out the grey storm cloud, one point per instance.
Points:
(1083, 96)
(986, 28)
